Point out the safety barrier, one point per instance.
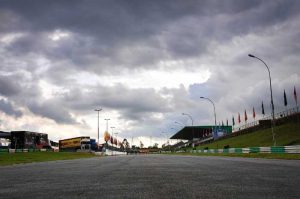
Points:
(273, 149)
(23, 150)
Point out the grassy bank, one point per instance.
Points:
(247, 155)
(17, 158)
(288, 134)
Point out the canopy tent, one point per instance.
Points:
(5, 135)
(197, 132)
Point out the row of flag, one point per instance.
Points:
(262, 109)
(111, 139)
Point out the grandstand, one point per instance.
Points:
(197, 135)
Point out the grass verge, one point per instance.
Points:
(288, 134)
(18, 158)
(247, 155)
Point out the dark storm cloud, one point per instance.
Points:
(183, 28)
(9, 85)
(8, 108)
(53, 110)
(110, 37)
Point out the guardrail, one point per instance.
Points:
(23, 150)
(273, 149)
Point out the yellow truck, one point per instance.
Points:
(73, 144)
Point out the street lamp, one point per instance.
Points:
(179, 123)
(112, 132)
(117, 139)
(98, 110)
(214, 108)
(192, 126)
(165, 135)
(189, 117)
(106, 124)
(272, 104)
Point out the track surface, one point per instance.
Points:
(153, 176)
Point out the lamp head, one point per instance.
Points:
(250, 55)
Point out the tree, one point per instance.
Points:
(155, 145)
(125, 144)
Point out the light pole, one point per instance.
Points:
(112, 132)
(117, 139)
(106, 124)
(98, 110)
(163, 134)
(192, 127)
(214, 108)
(272, 104)
(179, 123)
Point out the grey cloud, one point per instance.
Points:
(132, 103)
(53, 110)
(138, 22)
(9, 109)
(110, 37)
(9, 85)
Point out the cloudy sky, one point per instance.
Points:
(143, 62)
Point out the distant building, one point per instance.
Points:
(29, 140)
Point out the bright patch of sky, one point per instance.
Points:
(58, 35)
(159, 79)
(9, 38)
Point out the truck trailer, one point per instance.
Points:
(74, 144)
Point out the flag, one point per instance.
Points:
(239, 118)
(254, 113)
(295, 96)
(233, 123)
(262, 108)
(111, 140)
(106, 136)
(284, 98)
(246, 118)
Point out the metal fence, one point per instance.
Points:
(278, 115)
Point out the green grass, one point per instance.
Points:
(247, 155)
(287, 134)
(18, 158)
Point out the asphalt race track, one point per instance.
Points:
(153, 176)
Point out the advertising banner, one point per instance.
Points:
(75, 142)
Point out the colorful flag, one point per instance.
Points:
(239, 118)
(106, 136)
(254, 113)
(262, 108)
(246, 118)
(233, 123)
(284, 98)
(295, 96)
